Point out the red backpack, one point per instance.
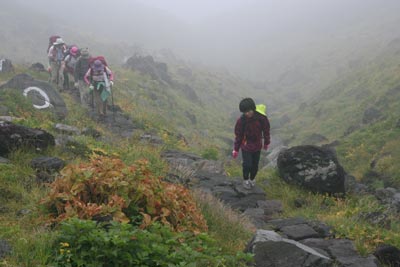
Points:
(101, 58)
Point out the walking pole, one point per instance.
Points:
(92, 99)
(112, 102)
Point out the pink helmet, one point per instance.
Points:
(74, 50)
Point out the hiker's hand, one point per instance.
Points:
(265, 147)
(91, 87)
(111, 83)
(235, 154)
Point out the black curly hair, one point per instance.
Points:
(247, 104)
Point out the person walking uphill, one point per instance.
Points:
(81, 67)
(56, 57)
(68, 65)
(250, 129)
(100, 78)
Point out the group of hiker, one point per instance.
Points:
(71, 67)
(91, 75)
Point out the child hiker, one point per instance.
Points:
(250, 129)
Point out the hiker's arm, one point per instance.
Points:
(86, 78)
(266, 130)
(50, 54)
(110, 74)
(238, 135)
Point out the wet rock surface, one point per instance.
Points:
(42, 94)
(285, 242)
(313, 168)
(13, 136)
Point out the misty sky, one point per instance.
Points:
(194, 10)
(266, 40)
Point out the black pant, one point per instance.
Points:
(250, 164)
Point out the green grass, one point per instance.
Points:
(344, 215)
(30, 232)
(163, 109)
(228, 227)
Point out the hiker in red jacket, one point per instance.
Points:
(250, 129)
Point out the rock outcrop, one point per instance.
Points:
(313, 168)
(290, 242)
(147, 65)
(42, 94)
(6, 65)
(13, 136)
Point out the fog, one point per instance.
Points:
(263, 40)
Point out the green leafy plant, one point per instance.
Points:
(210, 153)
(86, 243)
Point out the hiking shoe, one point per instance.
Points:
(246, 184)
(252, 183)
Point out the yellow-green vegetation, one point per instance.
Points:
(338, 114)
(232, 229)
(345, 215)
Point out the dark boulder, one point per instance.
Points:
(388, 255)
(147, 65)
(48, 164)
(313, 168)
(42, 94)
(90, 131)
(270, 249)
(39, 67)
(13, 136)
(6, 65)
(342, 251)
(371, 115)
(5, 248)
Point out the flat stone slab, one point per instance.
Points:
(272, 250)
(343, 251)
(299, 231)
(279, 223)
(257, 216)
(270, 207)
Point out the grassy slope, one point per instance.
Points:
(342, 106)
(158, 108)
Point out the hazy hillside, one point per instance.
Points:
(199, 102)
(328, 71)
(292, 48)
(361, 112)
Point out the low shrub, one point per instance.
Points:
(107, 187)
(86, 243)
